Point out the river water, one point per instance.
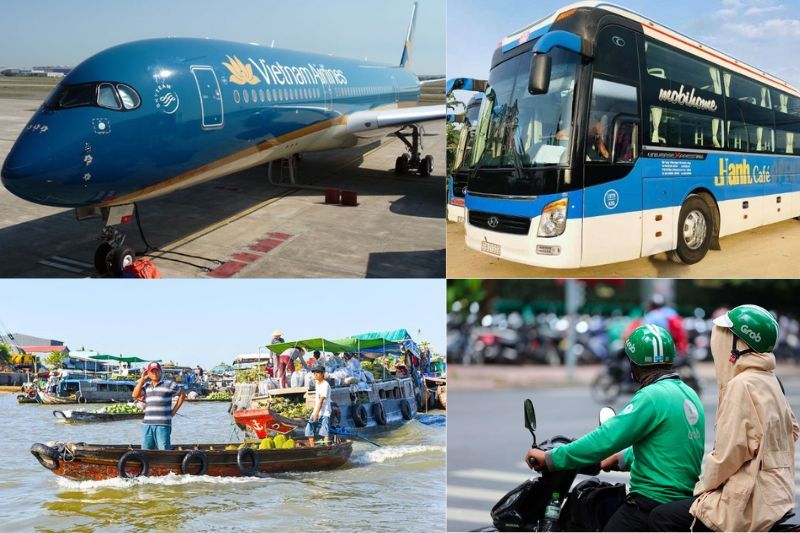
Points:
(398, 487)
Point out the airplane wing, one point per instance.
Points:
(370, 122)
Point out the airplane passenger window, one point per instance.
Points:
(130, 99)
(107, 97)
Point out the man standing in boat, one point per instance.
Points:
(157, 394)
(320, 421)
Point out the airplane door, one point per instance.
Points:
(211, 111)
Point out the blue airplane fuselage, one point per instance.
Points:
(206, 108)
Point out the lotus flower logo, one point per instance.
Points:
(241, 74)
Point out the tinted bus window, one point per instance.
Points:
(616, 54)
(668, 64)
(747, 91)
(684, 129)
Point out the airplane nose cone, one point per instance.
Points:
(23, 170)
(40, 170)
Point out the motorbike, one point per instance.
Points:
(615, 378)
(586, 507)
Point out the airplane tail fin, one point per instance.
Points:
(405, 59)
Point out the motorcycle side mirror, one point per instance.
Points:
(530, 418)
(606, 413)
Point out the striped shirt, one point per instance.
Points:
(158, 402)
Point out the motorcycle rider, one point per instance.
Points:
(663, 426)
(748, 478)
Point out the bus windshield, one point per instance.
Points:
(536, 127)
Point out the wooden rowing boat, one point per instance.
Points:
(72, 417)
(81, 462)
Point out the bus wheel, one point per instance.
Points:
(695, 224)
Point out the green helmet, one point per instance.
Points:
(753, 324)
(650, 345)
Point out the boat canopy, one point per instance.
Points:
(310, 345)
(395, 340)
(121, 359)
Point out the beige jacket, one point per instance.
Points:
(747, 481)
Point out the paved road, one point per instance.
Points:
(766, 252)
(486, 441)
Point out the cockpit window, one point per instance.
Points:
(130, 100)
(107, 96)
(74, 96)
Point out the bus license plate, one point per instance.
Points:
(490, 247)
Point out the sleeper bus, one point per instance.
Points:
(462, 160)
(604, 137)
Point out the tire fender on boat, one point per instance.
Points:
(359, 413)
(133, 455)
(42, 452)
(336, 414)
(405, 409)
(57, 413)
(242, 456)
(378, 413)
(200, 455)
(81, 398)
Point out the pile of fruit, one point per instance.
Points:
(280, 441)
(221, 396)
(120, 409)
(290, 409)
(269, 443)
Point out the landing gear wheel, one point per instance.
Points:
(122, 257)
(695, 226)
(102, 258)
(401, 164)
(426, 166)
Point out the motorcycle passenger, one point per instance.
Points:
(663, 426)
(748, 478)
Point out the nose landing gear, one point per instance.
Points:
(112, 254)
(411, 161)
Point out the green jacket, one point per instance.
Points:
(664, 424)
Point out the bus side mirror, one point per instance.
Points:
(539, 77)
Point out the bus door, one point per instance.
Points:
(612, 198)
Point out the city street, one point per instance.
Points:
(487, 439)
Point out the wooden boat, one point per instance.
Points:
(81, 462)
(72, 417)
(435, 395)
(51, 399)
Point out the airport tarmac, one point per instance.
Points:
(241, 226)
(766, 252)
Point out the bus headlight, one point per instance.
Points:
(554, 219)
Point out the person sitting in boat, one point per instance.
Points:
(157, 394)
(320, 421)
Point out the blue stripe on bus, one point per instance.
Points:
(658, 183)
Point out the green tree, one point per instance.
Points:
(5, 353)
(54, 359)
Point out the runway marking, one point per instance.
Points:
(66, 264)
(72, 261)
(245, 257)
(227, 269)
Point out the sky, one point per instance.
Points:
(209, 321)
(763, 33)
(54, 32)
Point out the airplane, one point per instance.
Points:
(146, 118)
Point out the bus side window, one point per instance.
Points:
(626, 141)
(611, 102)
